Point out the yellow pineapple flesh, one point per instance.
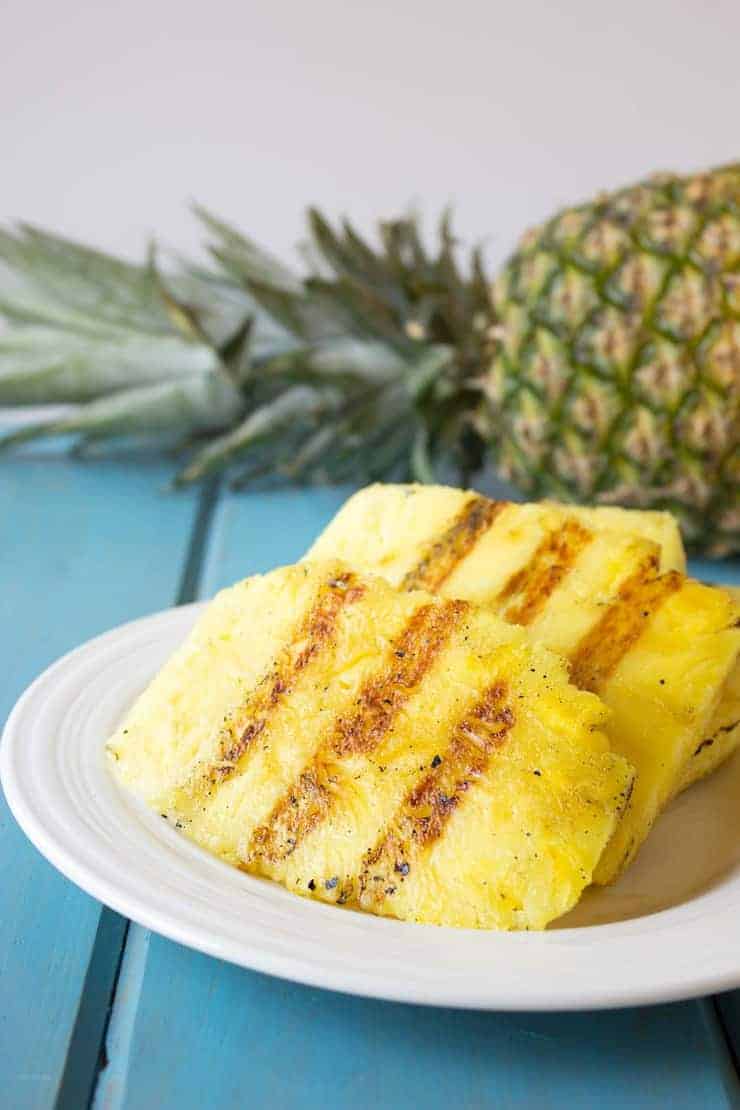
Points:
(660, 649)
(401, 753)
(723, 731)
(660, 527)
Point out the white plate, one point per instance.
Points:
(669, 929)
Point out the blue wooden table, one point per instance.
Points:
(95, 1011)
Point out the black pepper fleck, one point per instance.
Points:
(436, 761)
(331, 883)
(311, 884)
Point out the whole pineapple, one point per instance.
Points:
(617, 370)
(604, 365)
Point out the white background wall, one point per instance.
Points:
(112, 117)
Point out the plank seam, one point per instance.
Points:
(83, 1054)
(112, 1077)
(724, 1050)
(86, 1055)
(192, 571)
(730, 1045)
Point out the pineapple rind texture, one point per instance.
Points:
(636, 294)
(398, 737)
(661, 650)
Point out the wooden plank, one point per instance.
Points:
(255, 532)
(208, 1034)
(724, 572)
(188, 1031)
(82, 549)
(728, 1010)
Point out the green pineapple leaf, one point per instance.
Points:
(296, 404)
(324, 378)
(167, 412)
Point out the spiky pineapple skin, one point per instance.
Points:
(616, 370)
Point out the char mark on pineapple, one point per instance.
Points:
(604, 646)
(424, 814)
(721, 731)
(314, 634)
(308, 801)
(530, 588)
(453, 545)
(627, 796)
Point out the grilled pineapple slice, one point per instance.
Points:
(659, 527)
(389, 526)
(397, 752)
(723, 732)
(660, 649)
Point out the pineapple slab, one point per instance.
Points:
(592, 584)
(723, 732)
(402, 753)
(394, 524)
(662, 528)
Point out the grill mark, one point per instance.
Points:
(532, 586)
(715, 735)
(316, 632)
(424, 814)
(451, 547)
(605, 645)
(382, 696)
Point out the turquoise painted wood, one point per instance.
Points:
(253, 533)
(729, 1011)
(725, 572)
(81, 549)
(188, 1032)
(209, 1034)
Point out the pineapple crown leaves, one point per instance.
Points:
(397, 331)
(82, 326)
(361, 369)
